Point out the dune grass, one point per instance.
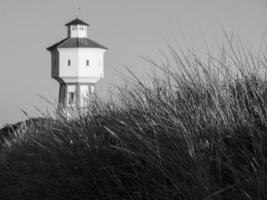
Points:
(198, 132)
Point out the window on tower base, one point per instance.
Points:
(71, 98)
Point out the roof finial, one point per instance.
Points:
(77, 11)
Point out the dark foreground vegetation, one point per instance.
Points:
(200, 132)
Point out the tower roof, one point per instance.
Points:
(76, 43)
(76, 21)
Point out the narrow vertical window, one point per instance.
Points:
(87, 62)
(69, 62)
(71, 97)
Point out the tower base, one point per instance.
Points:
(75, 95)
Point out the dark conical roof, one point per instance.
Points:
(76, 22)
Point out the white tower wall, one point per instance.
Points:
(95, 59)
(79, 71)
(68, 55)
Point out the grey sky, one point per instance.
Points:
(129, 29)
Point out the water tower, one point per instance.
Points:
(77, 64)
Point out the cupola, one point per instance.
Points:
(77, 29)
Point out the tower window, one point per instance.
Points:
(69, 62)
(71, 97)
(87, 62)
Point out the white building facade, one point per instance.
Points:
(77, 64)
